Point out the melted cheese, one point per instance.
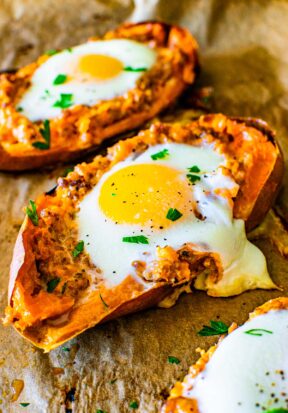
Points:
(244, 265)
(248, 373)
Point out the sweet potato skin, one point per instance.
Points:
(24, 260)
(25, 157)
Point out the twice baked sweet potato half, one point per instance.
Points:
(159, 213)
(245, 372)
(68, 102)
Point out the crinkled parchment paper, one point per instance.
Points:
(245, 59)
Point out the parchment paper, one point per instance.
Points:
(244, 58)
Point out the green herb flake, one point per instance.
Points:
(160, 155)
(51, 52)
(24, 404)
(113, 194)
(134, 405)
(194, 168)
(100, 411)
(67, 171)
(279, 410)
(19, 109)
(45, 132)
(173, 360)
(66, 349)
(215, 328)
(134, 69)
(59, 79)
(113, 381)
(31, 212)
(78, 249)
(193, 178)
(105, 304)
(69, 49)
(137, 239)
(173, 214)
(258, 332)
(65, 101)
(52, 284)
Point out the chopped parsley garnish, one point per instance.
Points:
(173, 214)
(67, 171)
(134, 405)
(19, 109)
(137, 239)
(193, 178)
(194, 168)
(24, 404)
(215, 328)
(51, 52)
(113, 381)
(100, 411)
(279, 410)
(69, 49)
(113, 194)
(160, 155)
(32, 213)
(78, 249)
(52, 284)
(65, 101)
(173, 360)
(59, 79)
(135, 69)
(258, 332)
(66, 349)
(105, 304)
(45, 132)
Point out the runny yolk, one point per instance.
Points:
(143, 194)
(99, 66)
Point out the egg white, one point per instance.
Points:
(244, 264)
(37, 102)
(243, 375)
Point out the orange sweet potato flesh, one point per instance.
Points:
(81, 129)
(33, 311)
(176, 403)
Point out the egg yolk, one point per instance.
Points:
(99, 66)
(143, 194)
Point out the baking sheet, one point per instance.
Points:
(244, 58)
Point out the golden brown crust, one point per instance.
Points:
(33, 263)
(83, 128)
(176, 403)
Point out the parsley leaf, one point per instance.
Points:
(45, 132)
(134, 69)
(66, 349)
(215, 328)
(194, 168)
(134, 405)
(51, 52)
(59, 79)
(19, 109)
(173, 214)
(65, 101)
(100, 411)
(105, 304)
(173, 360)
(193, 178)
(32, 213)
(160, 155)
(78, 249)
(24, 404)
(137, 239)
(67, 171)
(52, 284)
(279, 410)
(257, 332)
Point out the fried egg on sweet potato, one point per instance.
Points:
(69, 101)
(245, 372)
(159, 213)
